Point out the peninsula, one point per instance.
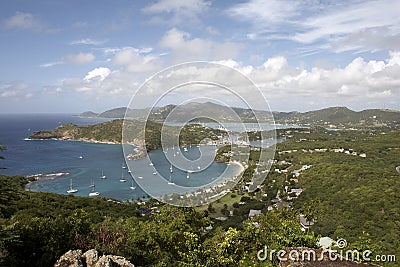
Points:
(111, 132)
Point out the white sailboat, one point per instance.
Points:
(170, 169)
(132, 187)
(122, 180)
(92, 192)
(92, 184)
(71, 189)
(102, 175)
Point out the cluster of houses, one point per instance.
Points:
(336, 150)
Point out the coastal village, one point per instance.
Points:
(239, 195)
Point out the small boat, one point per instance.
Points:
(102, 175)
(122, 180)
(71, 189)
(187, 176)
(198, 167)
(81, 157)
(123, 166)
(155, 173)
(92, 192)
(170, 169)
(132, 187)
(140, 177)
(151, 164)
(185, 149)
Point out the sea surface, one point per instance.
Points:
(60, 163)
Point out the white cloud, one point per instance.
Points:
(340, 25)
(97, 73)
(135, 60)
(51, 64)
(27, 21)
(24, 21)
(361, 82)
(102, 82)
(185, 48)
(14, 89)
(350, 19)
(265, 13)
(358, 81)
(75, 59)
(114, 50)
(132, 67)
(213, 31)
(176, 11)
(87, 41)
(81, 58)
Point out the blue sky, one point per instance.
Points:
(72, 56)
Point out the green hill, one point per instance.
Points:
(342, 117)
(339, 117)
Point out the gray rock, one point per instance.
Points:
(113, 261)
(73, 258)
(91, 256)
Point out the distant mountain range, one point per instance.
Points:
(339, 117)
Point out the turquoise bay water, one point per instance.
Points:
(82, 162)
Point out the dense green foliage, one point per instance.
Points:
(355, 196)
(351, 190)
(37, 228)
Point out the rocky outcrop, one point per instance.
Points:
(111, 261)
(75, 258)
(71, 258)
(91, 257)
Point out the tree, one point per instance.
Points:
(310, 210)
(210, 208)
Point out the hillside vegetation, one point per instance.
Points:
(112, 132)
(37, 228)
